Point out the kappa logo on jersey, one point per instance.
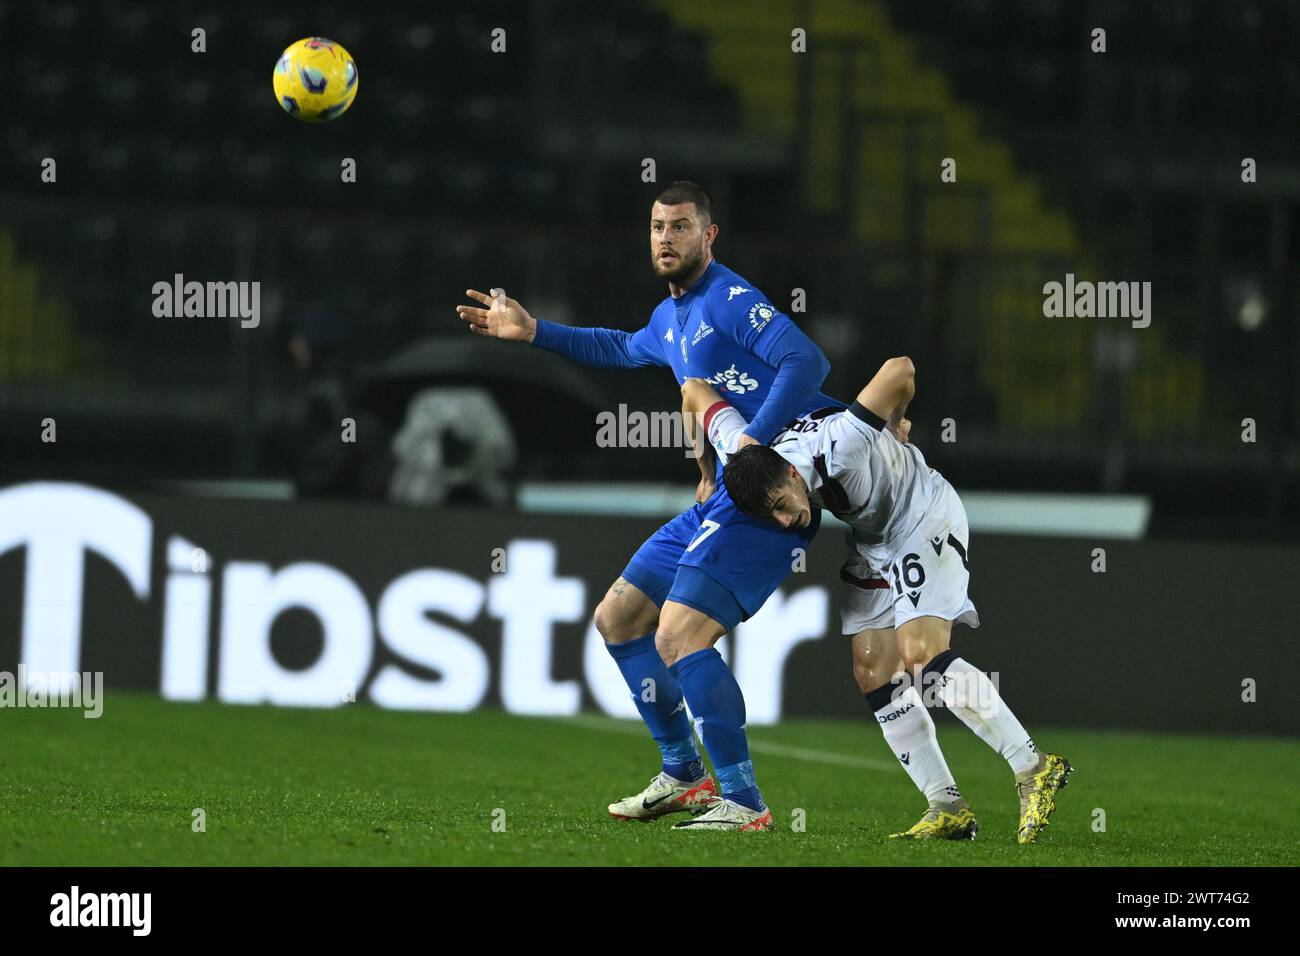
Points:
(701, 332)
(736, 290)
(734, 381)
(760, 314)
(669, 335)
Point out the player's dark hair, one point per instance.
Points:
(753, 477)
(683, 190)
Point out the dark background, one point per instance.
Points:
(523, 170)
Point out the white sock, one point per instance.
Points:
(970, 695)
(909, 731)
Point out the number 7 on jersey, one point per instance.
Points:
(707, 528)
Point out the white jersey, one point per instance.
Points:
(854, 469)
(907, 532)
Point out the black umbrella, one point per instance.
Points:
(542, 395)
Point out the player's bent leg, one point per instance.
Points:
(625, 613)
(909, 731)
(626, 618)
(683, 630)
(686, 637)
(896, 707)
(920, 639)
(726, 572)
(970, 695)
(682, 784)
(875, 658)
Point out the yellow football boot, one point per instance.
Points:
(942, 821)
(1037, 793)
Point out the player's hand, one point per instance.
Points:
(705, 489)
(901, 430)
(504, 318)
(746, 439)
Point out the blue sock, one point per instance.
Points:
(719, 709)
(665, 712)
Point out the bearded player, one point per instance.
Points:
(905, 521)
(711, 566)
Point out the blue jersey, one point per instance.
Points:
(712, 557)
(724, 331)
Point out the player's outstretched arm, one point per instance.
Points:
(504, 318)
(889, 392)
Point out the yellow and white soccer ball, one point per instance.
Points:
(315, 80)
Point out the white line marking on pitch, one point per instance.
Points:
(632, 729)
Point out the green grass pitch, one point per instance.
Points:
(363, 786)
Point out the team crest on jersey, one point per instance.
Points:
(760, 314)
(683, 348)
(734, 381)
(701, 332)
(736, 290)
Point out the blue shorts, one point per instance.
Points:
(718, 560)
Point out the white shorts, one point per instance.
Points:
(925, 574)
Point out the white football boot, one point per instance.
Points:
(728, 815)
(666, 795)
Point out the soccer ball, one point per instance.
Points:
(315, 80)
